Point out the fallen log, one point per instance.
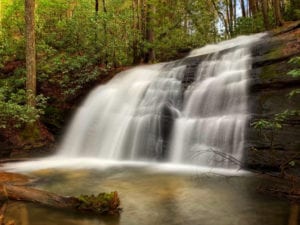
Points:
(104, 203)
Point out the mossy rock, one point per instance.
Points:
(102, 203)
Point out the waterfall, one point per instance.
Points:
(170, 112)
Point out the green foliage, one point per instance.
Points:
(13, 108)
(295, 72)
(266, 124)
(294, 93)
(268, 127)
(249, 25)
(276, 122)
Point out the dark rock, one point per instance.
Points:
(269, 91)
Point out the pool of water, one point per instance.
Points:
(150, 196)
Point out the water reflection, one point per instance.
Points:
(150, 198)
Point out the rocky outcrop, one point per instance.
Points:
(269, 91)
(24, 141)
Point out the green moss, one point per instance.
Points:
(268, 72)
(275, 53)
(102, 203)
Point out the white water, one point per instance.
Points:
(126, 118)
(146, 115)
(212, 124)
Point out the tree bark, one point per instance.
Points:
(277, 14)
(227, 21)
(265, 14)
(243, 8)
(96, 7)
(105, 32)
(30, 52)
(150, 55)
(96, 25)
(222, 18)
(252, 8)
(135, 27)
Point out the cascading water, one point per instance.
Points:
(151, 113)
(211, 127)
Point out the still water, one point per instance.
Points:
(150, 196)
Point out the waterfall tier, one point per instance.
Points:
(168, 112)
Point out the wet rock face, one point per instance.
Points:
(269, 91)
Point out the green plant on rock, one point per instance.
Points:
(268, 127)
(102, 203)
(295, 72)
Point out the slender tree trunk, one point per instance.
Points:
(252, 8)
(277, 14)
(105, 32)
(243, 8)
(30, 52)
(143, 17)
(256, 2)
(96, 29)
(96, 7)
(150, 55)
(135, 26)
(1, 14)
(265, 14)
(228, 18)
(222, 18)
(234, 14)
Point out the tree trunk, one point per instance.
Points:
(103, 205)
(243, 8)
(105, 32)
(228, 18)
(30, 52)
(252, 8)
(135, 27)
(265, 14)
(231, 16)
(222, 18)
(96, 26)
(150, 55)
(234, 14)
(277, 14)
(96, 7)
